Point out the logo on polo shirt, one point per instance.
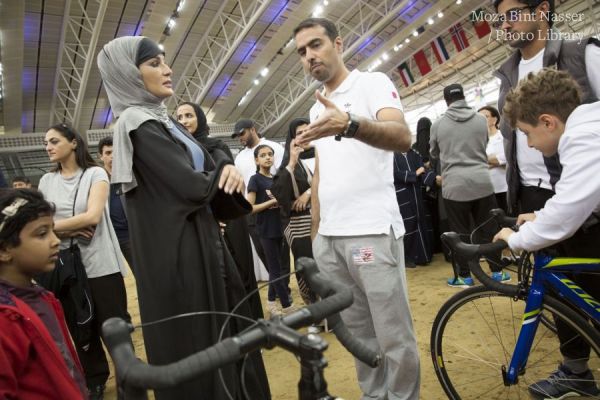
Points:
(347, 107)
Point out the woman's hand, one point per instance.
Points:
(420, 171)
(231, 180)
(302, 202)
(295, 151)
(87, 233)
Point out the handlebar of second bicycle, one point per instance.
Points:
(473, 252)
(136, 375)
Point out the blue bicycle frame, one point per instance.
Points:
(550, 272)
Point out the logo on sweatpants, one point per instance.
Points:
(363, 255)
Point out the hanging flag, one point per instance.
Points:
(459, 37)
(405, 74)
(439, 50)
(482, 28)
(422, 63)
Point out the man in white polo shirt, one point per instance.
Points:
(356, 124)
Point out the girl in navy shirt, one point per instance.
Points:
(268, 225)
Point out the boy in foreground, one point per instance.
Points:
(546, 107)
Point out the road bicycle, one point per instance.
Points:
(494, 341)
(134, 377)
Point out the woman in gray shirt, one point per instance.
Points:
(79, 189)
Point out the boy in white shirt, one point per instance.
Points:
(546, 107)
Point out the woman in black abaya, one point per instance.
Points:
(237, 236)
(175, 192)
(291, 188)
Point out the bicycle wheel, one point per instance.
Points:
(474, 335)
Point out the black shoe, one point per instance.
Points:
(409, 264)
(96, 392)
(563, 383)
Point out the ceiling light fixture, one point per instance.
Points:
(264, 71)
(256, 82)
(430, 21)
(440, 14)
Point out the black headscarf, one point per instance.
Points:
(300, 172)
(282, 187)
(202, 131)
(422, 143)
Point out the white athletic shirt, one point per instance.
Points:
(577, 191)
(532, 169)
(356, 181)
(495, 147)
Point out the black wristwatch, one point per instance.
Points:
(351, 128)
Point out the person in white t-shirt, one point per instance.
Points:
(526, 25)
(495, 154)
(546, 106)
(245, 131)
(357, 228)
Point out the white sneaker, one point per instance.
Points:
(273, 308)
(314, 329)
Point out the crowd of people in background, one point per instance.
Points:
(347, 189)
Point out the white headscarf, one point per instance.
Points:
(130, 101)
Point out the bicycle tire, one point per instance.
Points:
(469, 367)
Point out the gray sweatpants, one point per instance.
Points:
(373, 267)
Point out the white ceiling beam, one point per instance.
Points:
(71, 78)
(212, 53)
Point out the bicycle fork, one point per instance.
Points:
(529, 325)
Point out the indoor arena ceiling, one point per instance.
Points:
(234, 57)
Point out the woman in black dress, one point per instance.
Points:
(291, 188)
(175, 192)
(236, 232)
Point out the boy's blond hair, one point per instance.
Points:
(547, 92)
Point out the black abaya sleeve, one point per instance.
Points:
(157, 151)
(283, 192)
